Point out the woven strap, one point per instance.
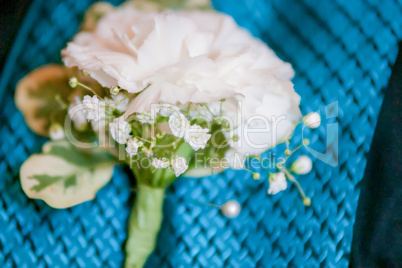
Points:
(342, 51)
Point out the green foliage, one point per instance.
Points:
(64, 175)
(80, 157)
(44, 181)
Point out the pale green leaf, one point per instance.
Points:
(61, 182)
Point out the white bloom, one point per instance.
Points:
(178, 124)
(197, 137)
(78, 114)
(160, 163)
(95, 108)
(182, 57)
(145, 118)
(120, 130)
(120, 101)
(179, 165)
(312, 120)
(277, 183)
(56, 132)
(273, 110)
(132, 147)
(165, 110)
(302, 165)
(206, 113)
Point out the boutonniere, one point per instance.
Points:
(168, 92)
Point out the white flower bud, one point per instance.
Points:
(165, 110)
(73, 82)
(178, 124)
(56, 132)
(312, 120)
(160, 163)
(277, 183)
(302, 165)
(179, 165)
(95, 108)
(197, 137)
(114, 90)
(119, 102)
(145, 118)
(256, 176)
(132, 147)
(306, 201)
(120, 130)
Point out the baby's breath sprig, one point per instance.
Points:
(73, 82)
(289, 176)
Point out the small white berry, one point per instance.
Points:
(312, 120)
(302, 165)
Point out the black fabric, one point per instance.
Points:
(377, 238)
(377, 234)
(11, 15)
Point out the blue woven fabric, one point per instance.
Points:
(341, 51)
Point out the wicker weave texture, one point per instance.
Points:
(342, 52)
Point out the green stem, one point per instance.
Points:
(144, 224)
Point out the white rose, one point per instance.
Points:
(120, 130)
(197, 137)
(182, 57)
(160, 163)
(95, 108)
(268, 116)
(178, 124)
(132, 147)
(145, 118)
(120, 101)
(165, 110)
(277, 183)
(179, 53)
(206, 112)
(179, 165)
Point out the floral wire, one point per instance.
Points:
(145, 88)
(188, 109)
(90, 89)
(220, 111)
(61, 102)
(282, 163)
(206, 106)
(292, 179)
(144, 139)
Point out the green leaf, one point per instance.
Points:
(44, 95)
(57, 177)
(45, 181)
(70, 181)
(79, 157)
